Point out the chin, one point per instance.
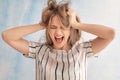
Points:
(59, 47)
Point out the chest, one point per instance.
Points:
(59, 65)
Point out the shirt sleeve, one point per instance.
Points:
(32, 49)
(87, 47)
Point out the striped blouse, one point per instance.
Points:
(60, 64)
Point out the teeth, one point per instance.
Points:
(59, 37)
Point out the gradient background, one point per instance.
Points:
(14, 66)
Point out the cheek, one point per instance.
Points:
(51, 33)
(67, 34)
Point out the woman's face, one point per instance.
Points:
(58, 33)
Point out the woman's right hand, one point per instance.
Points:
(43, 25)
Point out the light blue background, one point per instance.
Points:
(14, 66)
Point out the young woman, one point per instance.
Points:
(62, 57)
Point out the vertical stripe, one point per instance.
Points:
(79, 69)
(50, 69)
(85, 66)
(37, 64)
(68, 66)
(65, 71)
(39, 54)
(79, 53)
(39, 69)
(49, 66)
(60, 65)
(44, 62)
(42, 52)
(45, 67)
(74, 65)
(36, 69)
(53, 58)
(56, 68)
(63, 68)
(41, 62)
(71, 68)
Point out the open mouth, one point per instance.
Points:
(59, 39)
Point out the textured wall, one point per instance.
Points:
(13, 66)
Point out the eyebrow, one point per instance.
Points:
(56, 26)
(53, 25)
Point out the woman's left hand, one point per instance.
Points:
(74, 22)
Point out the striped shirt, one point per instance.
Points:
(60, 64)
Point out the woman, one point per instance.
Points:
(62, 57)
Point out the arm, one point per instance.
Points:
(104, 34)
(14, 36)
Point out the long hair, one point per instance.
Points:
(53, 8)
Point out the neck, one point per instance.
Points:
(65, 47)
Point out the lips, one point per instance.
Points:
(59, 39)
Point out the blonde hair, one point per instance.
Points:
(59, 9)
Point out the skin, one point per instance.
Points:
(57, 31)
(104, 34)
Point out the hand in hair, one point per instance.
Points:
(42, 24)
(74, 20)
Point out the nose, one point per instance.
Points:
(58, 31)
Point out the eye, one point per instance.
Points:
(63, 28)
(53, 27)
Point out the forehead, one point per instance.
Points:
(55, 20)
